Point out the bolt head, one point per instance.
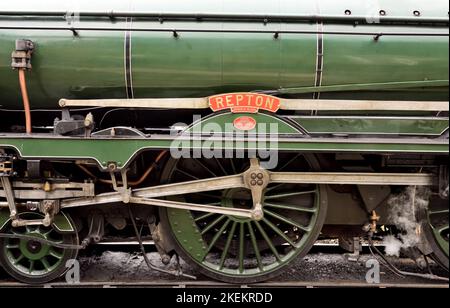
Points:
(258, 215)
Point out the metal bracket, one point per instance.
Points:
(6, 165)
(73, 124)
(357, 248)
(9, 194)
(21, 57)
(123, 190)
(96, 229)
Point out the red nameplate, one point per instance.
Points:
(244, 102)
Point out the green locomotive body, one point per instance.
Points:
(234, 133)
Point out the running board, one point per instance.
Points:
(286, 104)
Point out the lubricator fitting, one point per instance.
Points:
(21, 57)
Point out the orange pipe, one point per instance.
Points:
(26, 100)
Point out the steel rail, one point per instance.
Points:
(75, 30)
(216, 285)
(346, 16)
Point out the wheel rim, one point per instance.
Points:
(235, 248)
(438, 222)
(32, 261)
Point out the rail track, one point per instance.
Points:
(218, 285)
(321, 251)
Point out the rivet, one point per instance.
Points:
(253, 183)
(260, 183)
(383, 13)
(260, 176)
(348, 12)
(417, 13)
(254, 176)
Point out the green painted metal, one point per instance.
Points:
(440, 231)
(223, 123)
(192, 64)
(185, 228)
(4, 219)
(441, 241)
(371, 125)
(61, 222)
(121, 151)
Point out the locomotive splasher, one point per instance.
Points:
(351, 96)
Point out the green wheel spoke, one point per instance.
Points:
(221, 166)
(47, 234)
(227, 245)
(207, 215)
(45, 263)
(31, 267)
(438, 212)
(204, 167)
(241, 247)
(213, 224)
(19, 258)
(217, 236)
(187, 174)
(289, 162)
(269, 242)
(287, 221)
(279, 232)
(12, 246)
(55, 254)
(290, 207)
(286, 195)
(269, 189)
(233, 166)
(255, 246)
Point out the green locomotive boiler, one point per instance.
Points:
(234, 133)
